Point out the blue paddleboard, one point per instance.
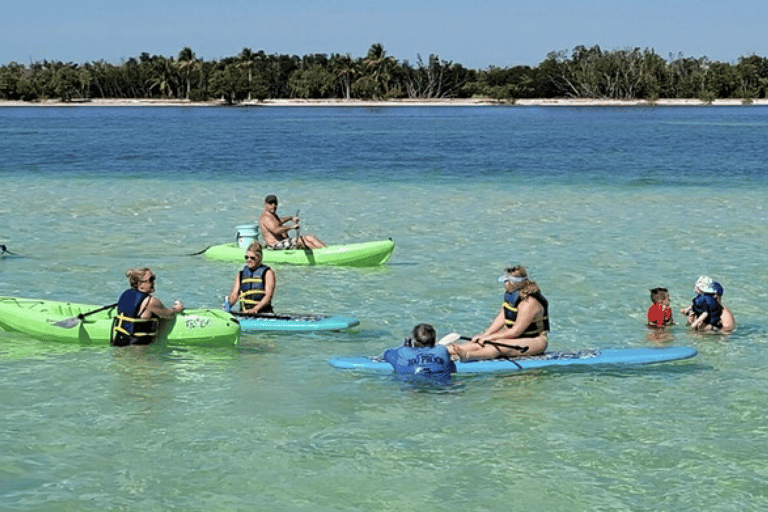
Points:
(290, 322)
(619, 356)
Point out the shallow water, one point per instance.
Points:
(599, 204)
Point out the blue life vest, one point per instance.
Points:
(432, 362)
(127, 327)
(708, 303)
(252, 286)
(511, 301)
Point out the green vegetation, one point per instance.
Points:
(585, 73)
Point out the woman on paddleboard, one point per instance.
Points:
(138, 310)
(254, 285)
(519, 329)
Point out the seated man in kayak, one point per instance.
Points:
(519, 329)
(419, 356)
(138, 311)
(254, 285)
(275, 232)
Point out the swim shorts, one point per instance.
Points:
(285, 243)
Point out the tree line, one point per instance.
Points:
(629, 74)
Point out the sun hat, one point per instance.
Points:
(704, 284)
(718, 288)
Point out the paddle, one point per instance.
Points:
(198, 252)
(298, 230)
(69, 323)
(453, 337)
(6, 251)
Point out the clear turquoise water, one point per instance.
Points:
(599, 204)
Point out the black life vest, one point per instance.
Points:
(127, 327)
(511, 301)
(252, 286)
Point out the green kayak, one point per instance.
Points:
(57, 321)
(365, 254)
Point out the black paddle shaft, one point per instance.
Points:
(83, 315)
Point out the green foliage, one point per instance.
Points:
(585, 72)
(313, 82)
(229, 83)
(366, 87)
(10, 76)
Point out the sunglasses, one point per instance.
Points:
(511, 279)
(150, 280)
(249, 258)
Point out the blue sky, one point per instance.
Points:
(474, 33)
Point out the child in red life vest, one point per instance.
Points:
(660, 313)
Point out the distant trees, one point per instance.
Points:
(629, 73)
(642, 74)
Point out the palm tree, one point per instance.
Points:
(162, 75)
(344, 67)
(186, 64)
(246, 60)
(379, 66)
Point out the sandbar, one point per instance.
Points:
(441, 102)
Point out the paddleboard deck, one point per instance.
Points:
(619, 357)
(292, 322)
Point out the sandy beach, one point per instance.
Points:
(554, 102)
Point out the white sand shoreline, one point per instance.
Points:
(554, 102)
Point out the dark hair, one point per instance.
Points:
(270, 199)
(658, 294)
(423, 335)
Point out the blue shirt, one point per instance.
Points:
(708, 303)
(432, 362)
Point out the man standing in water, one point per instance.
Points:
(275, 232)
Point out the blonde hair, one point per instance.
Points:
(254, 247)
(134, 275)
(526, 287)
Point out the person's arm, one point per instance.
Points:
(495, 326)
(697, 323)
(234, 295)
(671, 320)
(158, 309)
(526, 312)
(270, 225)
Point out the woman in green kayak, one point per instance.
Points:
(138, 310)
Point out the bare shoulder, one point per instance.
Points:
(265, 219)
(531, 302)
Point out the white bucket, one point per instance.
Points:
(246, 235)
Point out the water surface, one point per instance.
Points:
(599, 204)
